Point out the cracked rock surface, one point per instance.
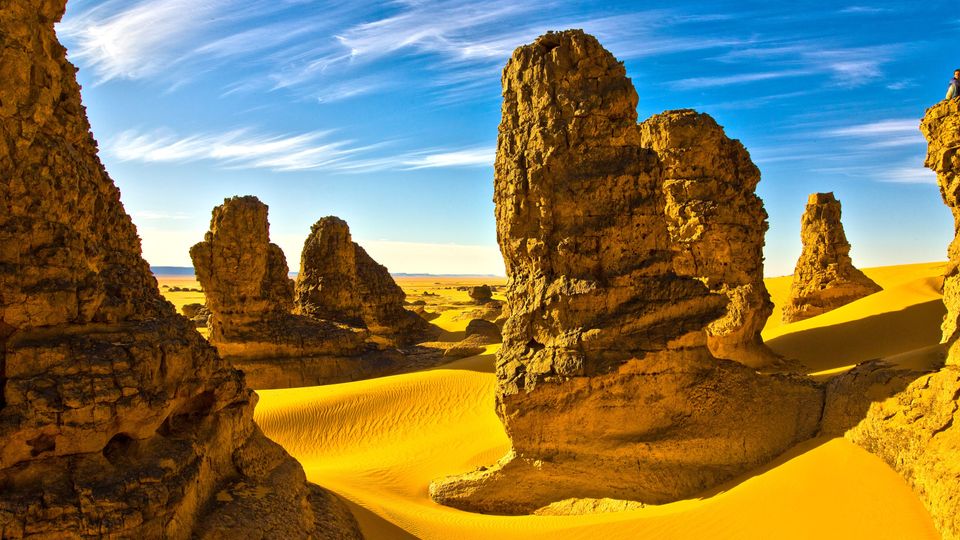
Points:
(116, 418)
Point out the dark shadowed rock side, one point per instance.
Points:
(255, 324)
(116, 418)
(917, 430)
(606, 383)
(718, 223)
(825, 277)
(339, 281)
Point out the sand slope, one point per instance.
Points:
(379, 443)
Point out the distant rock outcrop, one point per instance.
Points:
(825, 277)
(606, 385)
(198, 314)
(480, 294)
(717, 220)
(250, 295)
(323, 338)
(339, 281)
(116, 418)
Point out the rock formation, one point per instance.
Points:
(480, 294)
(339, 281)
(606, 385)
(716, 219)
(478, 334)
(250, 295)
(198, 314)
(941, 127)
(116, 418)
(256, 325)
(917, 430)
(825, 277)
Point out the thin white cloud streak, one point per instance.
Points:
(881, 134)
(883, 127)
(728, 80)
(245, 149)
(119, 40)
(459, 158)
(848, 67)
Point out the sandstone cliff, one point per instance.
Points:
(917, 431)
(116, 418)
(825, 277)
(718, 222)
(339, 281)
(606, 385)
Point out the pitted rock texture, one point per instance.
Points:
(480, 294)
(606, 385)
(116, 418)
(250, 296)
(716, 219)
(825, 277)
(917, 432)
(339, 281)
(941, 127)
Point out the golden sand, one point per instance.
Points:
(379, 443)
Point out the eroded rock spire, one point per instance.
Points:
(825, 277)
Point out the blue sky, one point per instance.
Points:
(386, 113)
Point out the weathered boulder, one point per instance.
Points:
(606, 385)
(480, 294)
(484, 329)
(250, 296)
(116, 418)
(198, 314)
(339, 281)
(718, 222)
(825, 277)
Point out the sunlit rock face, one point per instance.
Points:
(718, 223)
(116, 417)
(606, 383)
(825, 277)
(917, 431)
(339, 281)
(250, 295)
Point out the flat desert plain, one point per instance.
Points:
(379, 443)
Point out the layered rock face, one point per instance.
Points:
(116, 418)
(339, 281)
(941, 127)
(825, 277)
(718, 222)
(917, 431)
(606, 384)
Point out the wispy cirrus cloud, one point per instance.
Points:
(741, 78)
(314, 151)
(881, 134)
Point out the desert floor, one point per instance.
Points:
(379, 443)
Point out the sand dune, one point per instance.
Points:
(379, 443)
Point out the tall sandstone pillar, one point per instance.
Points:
(606, 383)
(824, 278)
(116, 418)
